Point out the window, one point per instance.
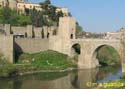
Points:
(71, 36)
(30, 6)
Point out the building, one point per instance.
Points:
(11, 3)
(63, 9)
(115, 35)
(21, 5)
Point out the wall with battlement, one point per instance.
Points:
(29, 45)
(18, 30)
(29, 31)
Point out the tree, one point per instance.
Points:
(27, 11)
(6, 12)
(79, 31)
(52, 17)
(47, 2)
(24, 20)
(8, 16)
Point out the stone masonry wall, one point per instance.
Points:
(6, 47)
(29, 45)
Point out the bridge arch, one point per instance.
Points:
(95, 52)
(75, 49)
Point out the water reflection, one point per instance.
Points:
(86, 76)
(67, 80)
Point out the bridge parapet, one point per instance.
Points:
(95, 40)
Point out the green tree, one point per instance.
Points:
(47, 2)
(38, 18)
(58, 15)
(24, 20)
(6, 12)
(8, 16)
(79, 31)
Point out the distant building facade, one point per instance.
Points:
(115, 35)
(63, 9)
(10, 3)
(21, 5)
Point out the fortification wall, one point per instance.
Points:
(30, 45)
(38, 32)
(18, 30)
(29, 31)
(6, 47)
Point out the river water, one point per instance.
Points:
(67, 80)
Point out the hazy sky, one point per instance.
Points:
(95, 15)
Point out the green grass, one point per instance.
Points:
(3, 60)
(48, 60)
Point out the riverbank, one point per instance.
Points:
(48, 61)
(14, 70)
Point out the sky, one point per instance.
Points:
(95, 15)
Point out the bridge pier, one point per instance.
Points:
(85, 61)
(123, 67)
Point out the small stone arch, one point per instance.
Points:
(75, 49)
(94, 55)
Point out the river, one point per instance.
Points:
(80, 79)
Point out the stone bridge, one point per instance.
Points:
(89, 48)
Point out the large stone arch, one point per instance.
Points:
(89, 46)
(96, 49)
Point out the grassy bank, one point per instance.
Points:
(48, 60)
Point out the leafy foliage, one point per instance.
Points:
(47, 17)
(8, 16)
(108, 56)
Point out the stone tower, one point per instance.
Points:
(66, 32)
(67, 28)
